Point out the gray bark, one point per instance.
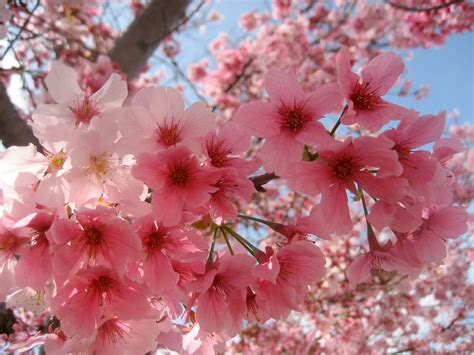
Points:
(150, 27)
(13, 129)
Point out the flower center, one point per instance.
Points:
(103, 287)
(179, 176)
(98, 165)
(93, 236)
(362, 99)
(343, 169)
(156, 240)
(169, 134)
(293, 118)
(403, 152)
(84, 110)
(217, 153)
(56, 161)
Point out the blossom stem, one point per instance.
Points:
(245, 243)
(338, 123)
(227, 242)
(272, 225)
(210, 258)
(372, 239)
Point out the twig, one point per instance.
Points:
(260, 180)
(22, 28)
(421, 9)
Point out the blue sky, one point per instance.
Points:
(448, 70)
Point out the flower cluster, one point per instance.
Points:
(133, 210)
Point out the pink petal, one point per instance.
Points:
(335, 209)
(113, 93)
(346, 78)
(426, 129)
(62, 83)
(359, 270)
(324, 99)
(259, 118)
(449, 221)
(280, 153)
(283, 87)
(382, 72)
(429, 248)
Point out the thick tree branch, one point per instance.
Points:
(150, 27)
(13, 129)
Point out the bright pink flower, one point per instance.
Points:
(443, 222)
(289, 120)
(35, 266)
(286, 275)
(402, 216)
(363, 95)
(223, 287)
(340, 166)
(94, 292)
(177, 180)
(161, 244)
(424, 173)
(97, 237)
(158, 121)
(222, 149)
(221, 206)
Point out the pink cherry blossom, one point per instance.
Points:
(178, 182)
(340, 166)
(289, 120)
(95, 237)
(363, 94)
(158, 121)
(100, 291)
(223, 287)
(286, 275)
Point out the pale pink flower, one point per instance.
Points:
(158, 120)
(229, 187)
(177, 180)
(199, 341)
(116, 336)
(98, 171)
(289, 120)
(222, 149)
(365, 105)
(74, 107)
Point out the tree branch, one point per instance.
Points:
(13, 128)
(148, 29)
(422, 9)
